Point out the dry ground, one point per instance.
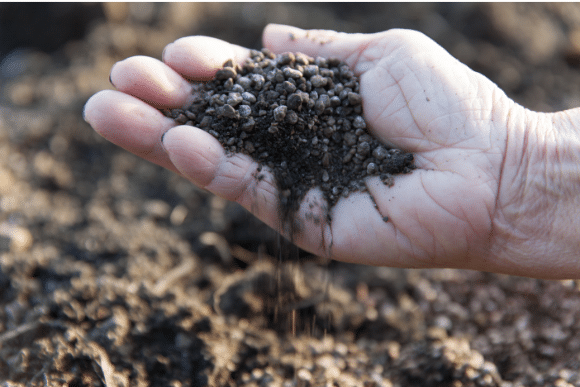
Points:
(115, 272)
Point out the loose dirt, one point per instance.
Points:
(115, 272)
(300, 117)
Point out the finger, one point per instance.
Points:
(151, 81)
(325, 43)
(201, 158)
(199, 57)
(130, 123)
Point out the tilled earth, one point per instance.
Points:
(115, 272)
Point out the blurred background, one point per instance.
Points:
(94, 240)
(530, 50)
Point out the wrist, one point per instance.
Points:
(538, 211)
(567, 125)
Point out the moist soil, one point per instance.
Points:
(301, 118)
(115, 272)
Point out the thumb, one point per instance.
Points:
(359, 51)
(325, 43)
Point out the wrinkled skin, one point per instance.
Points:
(495, 189)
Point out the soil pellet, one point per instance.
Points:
(299, 116)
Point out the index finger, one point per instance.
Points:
(200, 57)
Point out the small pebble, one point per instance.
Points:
(310, 70)
(292, 73)
(291, 117)
(20, 238)
(380, 153)
(225, 73)
(294, 101)
(181, 119)
(325, 100)
(249, 97)
(244, 110)
(234, 99)
(289, 87)
(321, 62)
(350, 139)
(359, 123)
(354, 99)
(302, 59)
(363, 148)
(245, 82)
(286, 58)
(248, 126)
(205, 122)
(237, 89)
(280, 113)
(190, 115)
(278, 76)
(258, 81)
(372, 168)
(304, 374)
(227, 111)
(249, 147)
(318, 81)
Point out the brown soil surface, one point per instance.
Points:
(115, 272)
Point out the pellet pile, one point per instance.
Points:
(301, 118)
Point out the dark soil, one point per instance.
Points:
(301, 118)
(115, 272)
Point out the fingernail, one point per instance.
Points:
(163, 138)
(110, 77)
(163, 146)
(84, 113)
(164, 51)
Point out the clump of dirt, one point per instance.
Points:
(300, 117)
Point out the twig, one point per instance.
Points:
(11, 334)
(112, 377)
(172, 276)
(219, 242)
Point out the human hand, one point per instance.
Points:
(466, 206)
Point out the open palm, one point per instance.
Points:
(415, 96)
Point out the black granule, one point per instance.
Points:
(301, 118)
